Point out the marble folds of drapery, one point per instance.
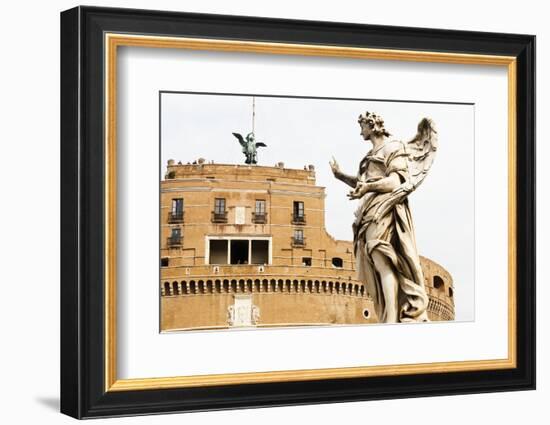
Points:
(391, 235)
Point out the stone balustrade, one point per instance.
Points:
(279, 285)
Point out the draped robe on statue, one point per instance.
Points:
(392, 235)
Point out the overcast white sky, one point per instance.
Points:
(302, 131)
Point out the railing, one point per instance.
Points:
(259, 218)
(298, 218)
(174, 240)
(175, 217)
(298, 241)
(254, 285)
(219, 217)
(441, 309)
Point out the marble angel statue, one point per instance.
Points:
(384, 239)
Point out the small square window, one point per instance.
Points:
(164, 262)
(306, 261)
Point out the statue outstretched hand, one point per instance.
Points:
(334, 166)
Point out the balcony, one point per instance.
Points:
(174, 241)
(259, 218)
(298, 242)
(219, 217)
(175, 217)
(299, 219)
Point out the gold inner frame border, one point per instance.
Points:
(112, 41)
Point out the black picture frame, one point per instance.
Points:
(83, 393)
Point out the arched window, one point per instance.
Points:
(438, 282)
(337, 262)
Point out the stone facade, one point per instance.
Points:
(246, 245)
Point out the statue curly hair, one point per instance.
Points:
(376, 122)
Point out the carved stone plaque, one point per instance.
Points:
(240, 214)
(242, 312)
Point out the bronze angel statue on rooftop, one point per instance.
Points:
(384, 239)
(249, 146)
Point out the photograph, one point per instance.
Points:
(300, 211)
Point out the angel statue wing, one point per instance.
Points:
(421, 149)
(421, 152)
(240, 138)
(261, 144)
